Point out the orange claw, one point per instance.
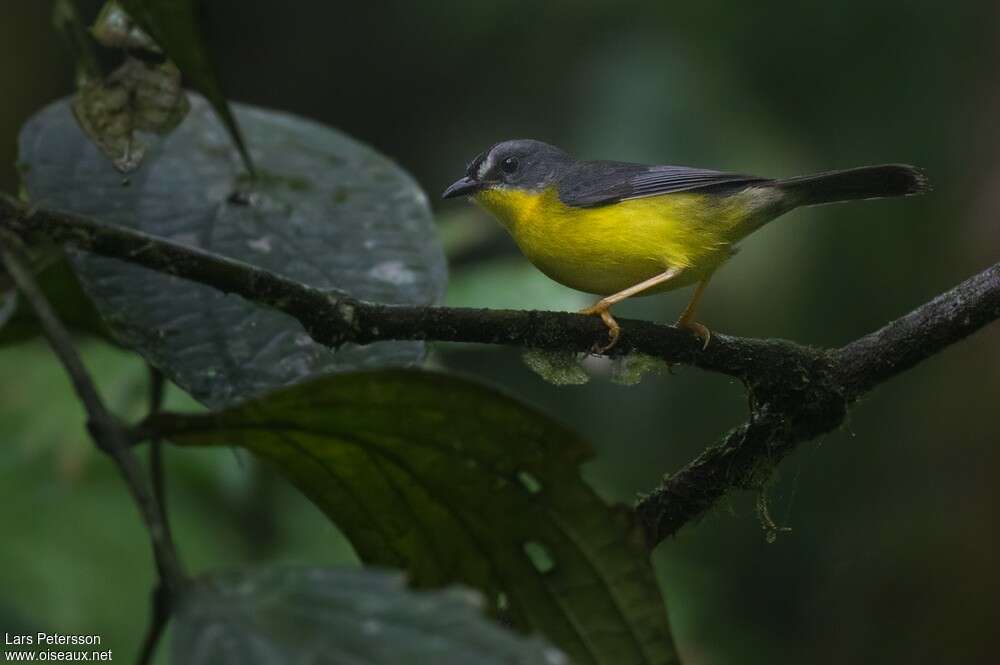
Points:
(614, 330)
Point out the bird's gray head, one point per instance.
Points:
(520, 163)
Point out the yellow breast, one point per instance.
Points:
(608, 248)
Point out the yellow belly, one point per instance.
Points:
(605, 249)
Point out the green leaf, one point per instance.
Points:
(326, 211)
(457, 483)
(173, 24)
(313, 616)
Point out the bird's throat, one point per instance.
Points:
(511, 207)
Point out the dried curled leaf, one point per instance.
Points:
(115, 29)
(137, 97)
(173, 24)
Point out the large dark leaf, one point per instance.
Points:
(457, 483)
(61, 287)
(323, 616)
(326, 211)
(173, 24)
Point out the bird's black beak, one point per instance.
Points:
(462, 187)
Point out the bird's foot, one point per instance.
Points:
(602, 309)
(698, 329)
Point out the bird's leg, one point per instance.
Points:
(602, 307)
(686, 319)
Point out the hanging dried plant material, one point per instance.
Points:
(114, 28)
(138, 96)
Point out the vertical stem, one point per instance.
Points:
(159, 615)
(156, 451)
(107, 432)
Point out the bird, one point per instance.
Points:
(619, 229)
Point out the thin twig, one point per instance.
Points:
(161, 598)
(157, 473)
(107, 432)
(159, 616)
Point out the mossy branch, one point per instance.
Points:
(796, 393)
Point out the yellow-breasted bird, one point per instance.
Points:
(618, 229)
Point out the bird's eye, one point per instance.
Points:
(509, 165)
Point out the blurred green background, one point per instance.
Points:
(891, 557)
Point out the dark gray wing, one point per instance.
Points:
(588, 184)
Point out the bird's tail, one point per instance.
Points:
(865, 182)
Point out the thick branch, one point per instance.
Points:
(895, 348)
(783, 416)
(796, 393)
(334, 318)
